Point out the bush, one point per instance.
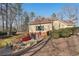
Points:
(55, 34)
(3, 33)
(65, 32)
(75, 30)
(13, 33)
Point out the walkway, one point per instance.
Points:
(5, 51)
(37, 47)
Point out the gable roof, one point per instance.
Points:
(68, 22)
(48, 20)
(41, 21)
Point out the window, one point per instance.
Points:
(39, 28)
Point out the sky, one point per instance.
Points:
(45, 9)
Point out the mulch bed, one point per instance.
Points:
(61, 47)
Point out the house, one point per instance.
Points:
(44, 25)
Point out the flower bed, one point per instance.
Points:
(22, 45)
(19, 43)
(26, 38)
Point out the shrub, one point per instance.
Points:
(66, 32)
(55, 34)
(3, 33)
(13, 33)
(75, 30)
(62, 33)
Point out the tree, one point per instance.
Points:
(9, 13)
(54, 17)
(32, 15)
(70, 13)
(2, 13)
(25, 25)
(12, 18)
(60, 16)
(6, 6)
(19, 15)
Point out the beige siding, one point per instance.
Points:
(47, 27)
(57, 25)
(32, 28)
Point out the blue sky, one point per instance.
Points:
(45, 9)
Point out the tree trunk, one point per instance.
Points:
(10, 31)
(3, 22)
(7, 17)
(2, 18)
